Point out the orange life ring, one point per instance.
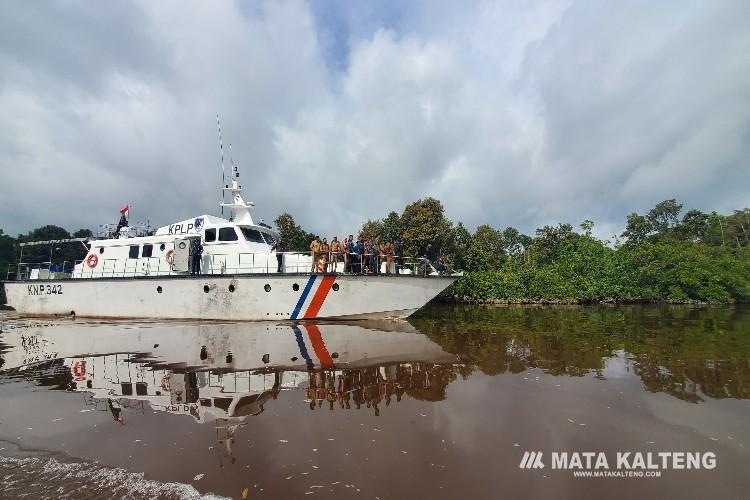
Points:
(164, 383)
(78, 370)
(170, 257)
(320, 266)
(92, 260)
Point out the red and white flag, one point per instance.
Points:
(124, 211)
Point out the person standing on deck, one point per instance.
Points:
(388, 256)
(345, 253)
(366, 253)
(349, 256)
(335, 252)
(279, 248)
(424, 265)
(325, 253)
(196, 250)
(315, 251)
(382, 255)
(358, 250)
(397, 254)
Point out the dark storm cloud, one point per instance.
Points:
(79, 43)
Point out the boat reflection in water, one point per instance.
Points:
(230, 371)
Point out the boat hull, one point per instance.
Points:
(229, 297)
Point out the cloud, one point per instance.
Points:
(512, 113)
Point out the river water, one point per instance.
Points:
(447, 405)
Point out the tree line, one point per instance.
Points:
(663, 255)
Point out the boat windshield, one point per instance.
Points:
(252, 235)
(269, 239)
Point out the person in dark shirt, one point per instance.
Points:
(279, 248)
(359, 250)
(123, 223)
(424, 265)
(440, 264)
(196, 250)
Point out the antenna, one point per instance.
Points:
(223, 175)
(232, 175)
(235, 170)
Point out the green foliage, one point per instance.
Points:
(698, 258)
(391, 227)
(83, 233)
(550, 240)
(8, 252)
(457, 246)
(371, 230)
(586, 270)
(637, 229)
(59, 254)
(424, 228)
(664, 215)
(587, 226)
(486, 250)
(294, 237)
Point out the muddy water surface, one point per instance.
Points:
(443, 406)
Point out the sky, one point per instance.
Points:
(513, 113)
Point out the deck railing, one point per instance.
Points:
(235, 263)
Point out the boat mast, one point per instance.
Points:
(224, 185)
(240, 209)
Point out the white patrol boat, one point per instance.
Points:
(241, 277)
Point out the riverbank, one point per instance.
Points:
(628, 281)
(574, 302)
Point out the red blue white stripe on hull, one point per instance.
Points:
(313, 305)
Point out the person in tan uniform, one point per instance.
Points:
(325, 253)
(380, 245)
(315, 252)
(388, 256)
(335, 252)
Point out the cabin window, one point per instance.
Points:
(252, 235)
(141, 389)
(227, 234)
(133, 252)
(147, 250)
(210, 235)
(223, 403)
(269, 239)
(101, 250)
(127, 389)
